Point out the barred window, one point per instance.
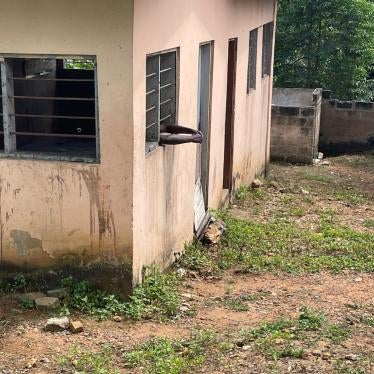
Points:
(161, 94)
(252, 61)
(49, 111)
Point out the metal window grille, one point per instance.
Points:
(267, 48)
(161, 92)
(252, 61)
(47, 110)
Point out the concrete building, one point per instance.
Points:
(295, 124)
(87, 89)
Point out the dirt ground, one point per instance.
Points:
(346, 298)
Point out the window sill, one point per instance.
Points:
(48, 157)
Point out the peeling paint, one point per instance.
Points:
(25, 242)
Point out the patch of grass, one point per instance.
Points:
(298, 212)
(237, 303)
(365, 161)
(316, 177)
(291, 337)
(348, 195)
(157, 297)
(284, 246)
(82, 361)
(369, 223)
(166, 356)
(369, 321)
(241, 193)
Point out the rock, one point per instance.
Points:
(60, 293)
(182, 272)
(257, 183)
(274, 184)
(320, 156)
(31, 364)
(214, 232)
(184, 308)
(246, 348)
(117, 319)
(76, 327)
(358, 279)
(57, 324)
(31, 296)
(188, 296)
(47, 303)
(326, 356)
(351, 357)
(317, 353)
(325, 163)
(305, 192)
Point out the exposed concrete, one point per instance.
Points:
(346, 126)
(295, 124)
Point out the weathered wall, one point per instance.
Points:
(57, 213)
(346, 126)
(295, 124)
(164, 180)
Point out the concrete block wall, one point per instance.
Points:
(295, 125)
(346, 125)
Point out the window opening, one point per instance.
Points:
(161, 95)
(47, 109)
(267, 48)
(252, 61)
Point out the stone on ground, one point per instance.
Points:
(76, 327)
(257, 183)
(57, 324)
(58, 292)
(31, 296)
(47, 303)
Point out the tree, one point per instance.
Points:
(328, 44)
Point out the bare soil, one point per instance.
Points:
(346, 298)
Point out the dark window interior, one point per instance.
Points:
(267, 48)
(252, 60)
(54, 108)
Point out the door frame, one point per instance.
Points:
(228, 161)
(207, 136)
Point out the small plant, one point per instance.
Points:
(27, 304)
(83, 297)
(89, 362)
(165, 356)
(369, 223)
(18, 283)
(241, 193)
(156, 297)
(298, 212)
(310, 320)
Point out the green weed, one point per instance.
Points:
(166, 356)
(369, 223)
(18, 283)
(156, 297)
(88, 362)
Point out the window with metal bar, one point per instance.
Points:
(267, 48)
(252, 61)
(49, 111)
(161, 94)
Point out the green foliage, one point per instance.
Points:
(83, 297)
(157, 297)
(165, 356)
(27, 304)
(18, 283)
(88, 362)
(79, 64)
(327, 44)
(291, 337)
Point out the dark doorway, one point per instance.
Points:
(230, 115)
(204, 105)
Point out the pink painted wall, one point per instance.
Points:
(164, 180)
